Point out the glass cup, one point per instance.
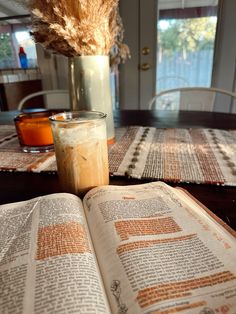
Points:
(34, 131)
(80, 143)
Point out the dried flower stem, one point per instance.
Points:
(76, 27)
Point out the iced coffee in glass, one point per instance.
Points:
(80, 144)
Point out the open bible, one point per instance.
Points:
(148, 248)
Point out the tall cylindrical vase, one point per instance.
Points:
(89, 85)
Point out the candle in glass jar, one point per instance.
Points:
(34, 131)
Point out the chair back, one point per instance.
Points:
(189, 98)
(53, 99)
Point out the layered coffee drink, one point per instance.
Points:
(80, 144)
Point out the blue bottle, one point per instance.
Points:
(23, 58)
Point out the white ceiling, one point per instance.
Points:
(11, 8)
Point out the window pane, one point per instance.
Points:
(24, 40)
(186, 38)
(6, 56)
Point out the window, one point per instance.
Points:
(12, 37)
(6, 54)
(186, 38)
(24, 40)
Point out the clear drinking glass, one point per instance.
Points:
(80, 144)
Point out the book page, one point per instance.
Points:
(160, 252)
(47, 263)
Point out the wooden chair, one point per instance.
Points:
(189, 98)
(54, 99)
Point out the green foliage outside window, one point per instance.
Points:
(5, 46)
(187, 35)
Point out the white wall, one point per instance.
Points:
(54, 70)
(137, 86)
(129, 74)
(47, 68)
(225, 54)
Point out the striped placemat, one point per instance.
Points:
(205, 156)
(177, 155)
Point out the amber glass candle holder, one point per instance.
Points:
(34, 131)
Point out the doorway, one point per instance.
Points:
(208, 57)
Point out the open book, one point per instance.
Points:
(148, 248)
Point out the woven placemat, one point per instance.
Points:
(177, 155)
(13, 159)
(174, 155)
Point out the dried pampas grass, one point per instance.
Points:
(78, 27)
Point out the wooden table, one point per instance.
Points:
(220, 199)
